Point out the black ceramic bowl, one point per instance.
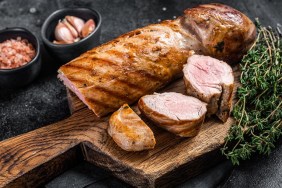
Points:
(21, 76)
(67, 52)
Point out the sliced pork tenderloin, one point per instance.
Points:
(129, 131)
(147, 59)
(211, 81)
(175, 112)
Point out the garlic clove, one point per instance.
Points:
(59, 42)
(77, 39)
(76, 22)
(88, 27)
(71, 28)
(62, 33)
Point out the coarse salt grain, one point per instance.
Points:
(15, 53)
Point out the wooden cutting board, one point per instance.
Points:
(34, 158)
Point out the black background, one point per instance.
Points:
(44, 101)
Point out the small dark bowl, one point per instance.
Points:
(23, 75)
(67, 52)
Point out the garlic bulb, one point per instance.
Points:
(71, 29)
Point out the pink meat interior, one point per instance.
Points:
(72, 87)
(207, 74)
(176, 106)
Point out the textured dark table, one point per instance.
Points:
(44, 101)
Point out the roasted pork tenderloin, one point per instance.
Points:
(146, 59)
(211, 81)
(129, 131)
(175, 112)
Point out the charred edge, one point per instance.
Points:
(220, 100)
(231, 93)
(219, 110)
(224, 111)
(219, 46)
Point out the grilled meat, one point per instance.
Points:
(211, 81)
(175, 112)
(129, 131)
(146, 59)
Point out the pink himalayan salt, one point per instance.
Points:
(15, 53)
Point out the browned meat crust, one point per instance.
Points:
(146, 59)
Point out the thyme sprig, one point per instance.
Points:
(258, 111)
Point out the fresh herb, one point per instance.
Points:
(258, 111)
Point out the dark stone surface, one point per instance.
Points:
(44, 101)
(259, 172)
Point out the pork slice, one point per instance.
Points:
(175, 112)
(211, 81)
(129, 131)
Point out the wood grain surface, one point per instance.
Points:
(33, 158)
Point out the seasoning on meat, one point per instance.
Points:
(15, 53)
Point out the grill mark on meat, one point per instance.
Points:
(128, 69)
(79, 82)
(129, 131)
(131, 85)
(153, 64)
(114, 94)
(162, 63)
(148, 75)
(127, 65)
(120, 55)
(99, 60)
(95, 73)
(99, 103)
(78, 67)
(130, 56)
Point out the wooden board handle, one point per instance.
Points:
(22, 155)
